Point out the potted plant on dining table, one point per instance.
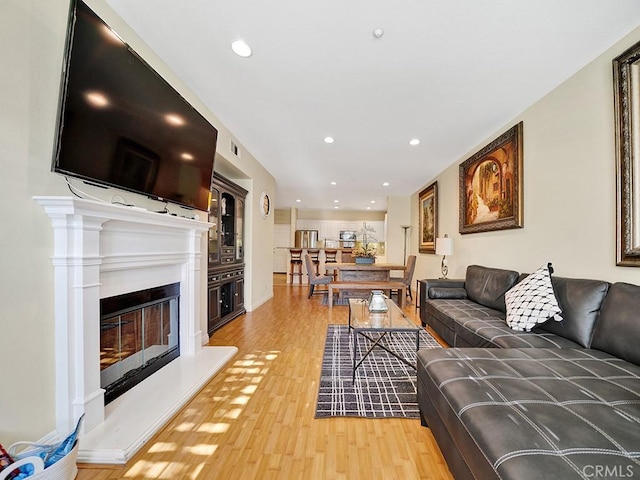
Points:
(365, 253)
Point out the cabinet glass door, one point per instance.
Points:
(214, 309)
(214, 252)
(239, 294)
(226, 299)
(240, 229)
(227, 219)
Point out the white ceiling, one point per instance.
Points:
(449, 72)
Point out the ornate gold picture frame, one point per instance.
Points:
(491, 185)
(428, 222)
(626, 84)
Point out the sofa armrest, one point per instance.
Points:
(440, 283)
(428, 283)
(447, 293)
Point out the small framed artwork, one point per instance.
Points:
(428, 222)
(491, 185)
(265, 204)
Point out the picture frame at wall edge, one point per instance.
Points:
(626, 75)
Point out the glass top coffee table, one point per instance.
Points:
(362, 322)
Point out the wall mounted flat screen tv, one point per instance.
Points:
(122, 125)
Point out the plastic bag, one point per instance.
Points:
(49, 454)
(65, 446)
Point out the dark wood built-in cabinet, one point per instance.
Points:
(226, 252)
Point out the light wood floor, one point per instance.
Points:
(255, 419)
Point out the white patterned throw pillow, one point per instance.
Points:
(532, 301)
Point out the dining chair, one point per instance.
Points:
(314, 278)
(408, 275)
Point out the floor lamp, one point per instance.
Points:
(404, 257)
(444, 247)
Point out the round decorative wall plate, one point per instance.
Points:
(265, 204)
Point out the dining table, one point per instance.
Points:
(362, 272)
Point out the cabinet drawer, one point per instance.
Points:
(215, 278)
(227, 250)
(228, 259)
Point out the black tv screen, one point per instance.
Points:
(122, 125)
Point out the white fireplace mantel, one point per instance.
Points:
(102, 250)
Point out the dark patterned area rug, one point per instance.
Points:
(384, 386)
(336, 300)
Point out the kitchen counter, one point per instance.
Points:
(343, 253)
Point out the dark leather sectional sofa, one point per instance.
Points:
(559, 402)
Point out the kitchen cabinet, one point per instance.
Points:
(330, 229)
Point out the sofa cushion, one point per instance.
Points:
(463, 323)
(487, 286)
(532, 301)
(534, 413)
(459, 312)
(580, 301)
(493, 332)
(618, 329)
(437, 318)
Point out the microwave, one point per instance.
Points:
(347, 236)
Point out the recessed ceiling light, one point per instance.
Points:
(385, 184)
(368, 208)
(328, 140)
(373, 201)
(336, 206)
(298, 200)
(378, 32)
(334, 183)
(186, 156)
(336, 201)
(241, 49)
(414, 142)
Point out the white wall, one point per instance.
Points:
(32, 41)
(569, 188)
(398, 214)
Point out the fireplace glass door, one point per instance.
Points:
(138, 336)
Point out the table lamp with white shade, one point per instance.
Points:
(444, 247)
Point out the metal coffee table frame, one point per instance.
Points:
(394, 320)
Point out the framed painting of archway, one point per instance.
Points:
(491, 185)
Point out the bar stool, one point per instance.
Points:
(314, 253)
(331, 256)
(295, 264)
